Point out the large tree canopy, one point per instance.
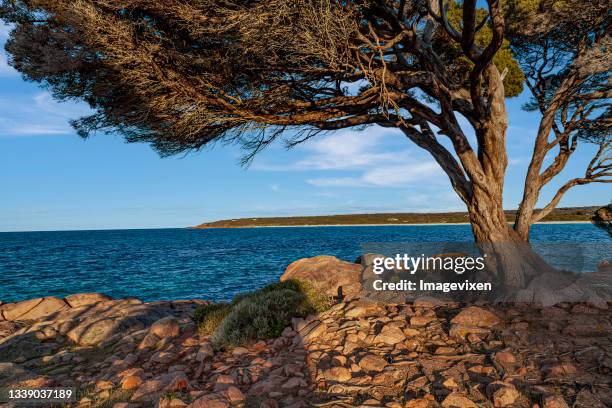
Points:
(180, 74)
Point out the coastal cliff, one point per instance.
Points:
(358, 352)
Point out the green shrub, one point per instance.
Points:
(209, 317)
(315, 299)
(264, 313)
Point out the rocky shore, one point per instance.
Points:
(358, 353)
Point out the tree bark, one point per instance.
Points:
(510, 259)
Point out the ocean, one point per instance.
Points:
(216, 264)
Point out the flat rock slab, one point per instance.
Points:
(32, 309)
(86, 299)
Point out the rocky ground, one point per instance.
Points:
(359, 353)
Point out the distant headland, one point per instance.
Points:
(570, 214)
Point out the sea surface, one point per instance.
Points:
(216, 264)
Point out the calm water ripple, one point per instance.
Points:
(210, 264)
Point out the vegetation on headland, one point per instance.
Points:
(557, 215)
(260, 315)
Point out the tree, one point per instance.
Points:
(181, 74)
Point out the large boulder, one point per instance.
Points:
(121, 322)
(336, 276)
(86, 299)
(166, 327)
(602, 218)
(32, 309)
(476, 316)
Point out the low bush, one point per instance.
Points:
(209, 317)
(262, 314)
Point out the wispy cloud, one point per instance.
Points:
(37, 115)
(374, 152)
(386, 176)
(342, 150)
(5, 68)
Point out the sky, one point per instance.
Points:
(50, 179)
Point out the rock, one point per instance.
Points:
(391, 335)
(456, 400)
(104, 385)
(476, 316)
(234, 395)
(427, 302)
(335, 276)
(170, 402)
(554, 401)
(444, 350)
(450, 383)
(240, 351)
(205, 352)
(503, 394)
(561, 370)
(459, 331)
(418, 403)
(482, 374)
(210, 401)
(338, 374)
(150, 340)
(587, 326)
(364, 308)
(148, 391)
(131, 382)
(602, 218)
(32, 309)
(167, 327)
(339, 361)
(91, 332)
(85, 299)
(504, 358)
(586, 399)
(7, 328)
(294, 382)
(223, 381)
(179, 382)
(373, 363)
(163, 357)
(420, 321)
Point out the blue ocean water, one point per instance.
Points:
(212, 264)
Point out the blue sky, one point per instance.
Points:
(50, 179)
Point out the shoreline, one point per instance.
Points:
(434, 224)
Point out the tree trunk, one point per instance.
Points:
(508, 257)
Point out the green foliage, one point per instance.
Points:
(209, 317)
(315, 300)
(460, 66)
(262, 314)
(259, 317)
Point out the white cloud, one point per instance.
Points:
(386, 176)
(5, 68)
(336, 182)
(371, 151)
(4, 31)
(342, 150)
(274, 187)
(37, 115)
